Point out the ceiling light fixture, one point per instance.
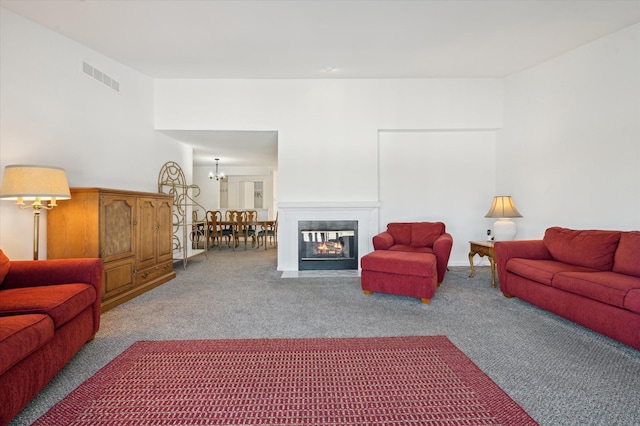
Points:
(328, 68)
(218, 175)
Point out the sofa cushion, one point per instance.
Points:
(399, 262)
(62, 302)
(5, 264)
(627, 258)
(540, 271)
(424, 234)
(401, 232)
(21, 335)
(591, 249)
(632, 300)
(607, 287)
(411, 249)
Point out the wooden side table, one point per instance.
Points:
(483, 248)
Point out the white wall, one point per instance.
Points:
(209, 188)
(448, 177)
(328, 132)
(570, 149)
(328, 123)
(53, 114)
(236, 193)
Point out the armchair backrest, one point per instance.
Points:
(416, 234)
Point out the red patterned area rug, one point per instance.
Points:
(349, 381)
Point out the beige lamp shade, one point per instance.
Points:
(26, 182)
(36, 184)
(504, 229)
(503, 206)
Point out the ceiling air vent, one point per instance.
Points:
(103, 78)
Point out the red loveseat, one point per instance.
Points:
(48, 310)
(590, 277)
(409, 259)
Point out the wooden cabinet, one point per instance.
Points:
(131, 232)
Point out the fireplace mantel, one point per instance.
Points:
(329, 205)
(289, 213)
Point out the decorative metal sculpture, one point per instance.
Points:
(171, 180)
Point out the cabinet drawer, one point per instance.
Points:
(147, 276)
(118, 277)
(485, 251)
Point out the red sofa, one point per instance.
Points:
(590, 277)
(409, 259)
(48, 310)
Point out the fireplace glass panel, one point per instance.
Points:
(327, 245)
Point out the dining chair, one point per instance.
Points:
(214, 219)
(251, 218)
(198, 233)
(244, 229)
(270, 231)
(252, 215)
(229, 227)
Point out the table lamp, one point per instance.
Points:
(38, 184)
(504, 229)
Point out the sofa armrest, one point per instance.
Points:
(525, 249)
(383, 241)
(34, 273)
(442, 250)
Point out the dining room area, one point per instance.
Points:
(228, 196)
(237, 230)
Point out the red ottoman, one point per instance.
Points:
(400, 273)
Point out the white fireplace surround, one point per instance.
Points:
(290, 213)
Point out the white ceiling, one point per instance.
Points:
(299, 39)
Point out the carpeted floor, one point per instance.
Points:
(560, 373)
(374, 381)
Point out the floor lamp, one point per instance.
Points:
(38, 184)
(503, 208)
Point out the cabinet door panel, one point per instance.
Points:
(73, 227)
(118, 278)
(117, 227)
(146, 230)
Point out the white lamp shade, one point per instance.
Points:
(32, 182)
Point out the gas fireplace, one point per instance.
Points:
(326, 245)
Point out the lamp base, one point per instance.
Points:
(504, 229)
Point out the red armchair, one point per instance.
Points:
(418, 237)
(409, 259)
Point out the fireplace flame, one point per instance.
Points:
(329, 247)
